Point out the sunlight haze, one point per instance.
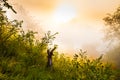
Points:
(79, 22)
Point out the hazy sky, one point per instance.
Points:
(79, 22)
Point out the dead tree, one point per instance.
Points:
(6, 4)
(50, 54)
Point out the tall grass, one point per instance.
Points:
(22, 57)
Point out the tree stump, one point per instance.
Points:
(50, 54)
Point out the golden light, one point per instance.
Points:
(79, 22)
(63, 13)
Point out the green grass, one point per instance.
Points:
(22, 57)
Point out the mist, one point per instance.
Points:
(87, 46)
(76, 34)
(84, 31)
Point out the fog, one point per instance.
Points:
(81, 27)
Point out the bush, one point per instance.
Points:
(22, 57)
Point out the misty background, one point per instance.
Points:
(85, 30)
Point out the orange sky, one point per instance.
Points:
(79, 22)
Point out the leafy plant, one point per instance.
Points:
(22, 57)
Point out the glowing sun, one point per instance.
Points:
(63, 13)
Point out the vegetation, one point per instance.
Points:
(112, 31)
(22, 57)
(113, 34)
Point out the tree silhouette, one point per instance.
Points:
(6, 4)
(112, 22)
(112, 31)
(50, 54)
(48, 40)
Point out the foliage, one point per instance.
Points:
(112, 31)
(82, 68)
(113, 24)
(22, 57)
